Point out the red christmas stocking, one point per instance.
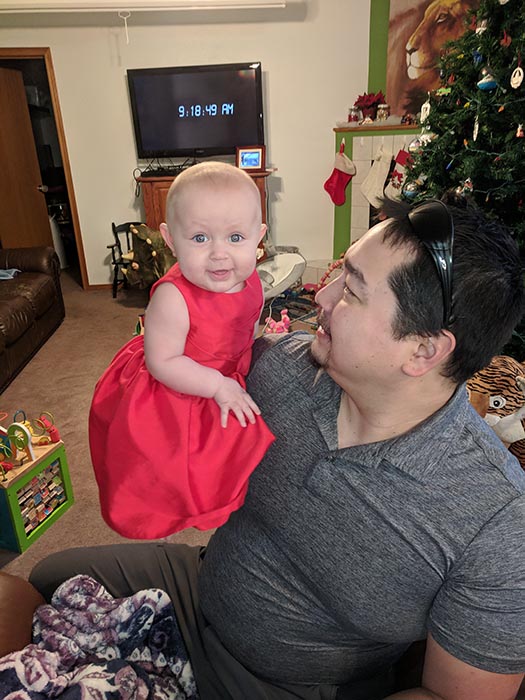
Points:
(343, 172)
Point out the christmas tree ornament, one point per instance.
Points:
(506, 40)
(415, 145)
(426, 137)
(481, 26)
(520, 133)
(411, 190)
(516, 78)
(488, 81)
(503, 2)
(343, 172)
(466, 187)
(477, 57)
(476, 129)
(425, 110)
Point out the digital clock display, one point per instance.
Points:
(206, 110)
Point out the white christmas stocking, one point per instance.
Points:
(397, 178)
(373, 186)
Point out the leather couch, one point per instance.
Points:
(18, 601)
(31, 306)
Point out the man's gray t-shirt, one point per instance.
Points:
(340, 558)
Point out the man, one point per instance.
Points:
(386, 512)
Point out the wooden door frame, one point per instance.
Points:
(45, 53)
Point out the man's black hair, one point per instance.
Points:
(487, 285)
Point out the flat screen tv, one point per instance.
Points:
(196, 110)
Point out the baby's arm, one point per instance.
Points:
(166, 327)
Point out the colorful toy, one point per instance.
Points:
(4, 440)
(5, 467)
(20, 439)
(498, 395)
(46, 420)
(281, 326)
(17, 439)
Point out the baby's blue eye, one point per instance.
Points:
(199, 238)
(236, 238)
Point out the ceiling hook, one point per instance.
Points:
(125, 15)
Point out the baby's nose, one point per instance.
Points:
(218, 250)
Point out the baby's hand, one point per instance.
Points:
(230, 396)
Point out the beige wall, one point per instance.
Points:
(314, 65)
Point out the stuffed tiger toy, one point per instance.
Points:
(498, 395)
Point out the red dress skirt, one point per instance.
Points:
(162, 460)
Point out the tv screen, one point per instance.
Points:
(196, 110)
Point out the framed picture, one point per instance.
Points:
(407, 36)
(250, 157)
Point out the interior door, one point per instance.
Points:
(23, 210)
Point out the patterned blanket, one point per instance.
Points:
(88, 645)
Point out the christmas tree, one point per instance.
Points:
(473, 138)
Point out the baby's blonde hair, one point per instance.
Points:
(211, 173)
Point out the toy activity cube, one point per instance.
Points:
(33, 496)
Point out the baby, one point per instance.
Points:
(165, 454)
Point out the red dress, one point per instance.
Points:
(161, 458)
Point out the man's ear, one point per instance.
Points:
(262, 231)
(429, 353)
(167, 238)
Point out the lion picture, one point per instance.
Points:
(417, 31)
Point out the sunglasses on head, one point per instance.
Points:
(432, 223)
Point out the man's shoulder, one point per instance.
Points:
(484, 448)
(284, 347)
(283, 362)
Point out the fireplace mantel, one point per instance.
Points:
(351, 219)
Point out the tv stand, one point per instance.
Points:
(155, 192)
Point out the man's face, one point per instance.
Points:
(354, 341)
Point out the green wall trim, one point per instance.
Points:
(377, 62)
(378, 48)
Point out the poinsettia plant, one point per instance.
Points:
(370, 99)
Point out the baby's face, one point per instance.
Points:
(215, 232)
